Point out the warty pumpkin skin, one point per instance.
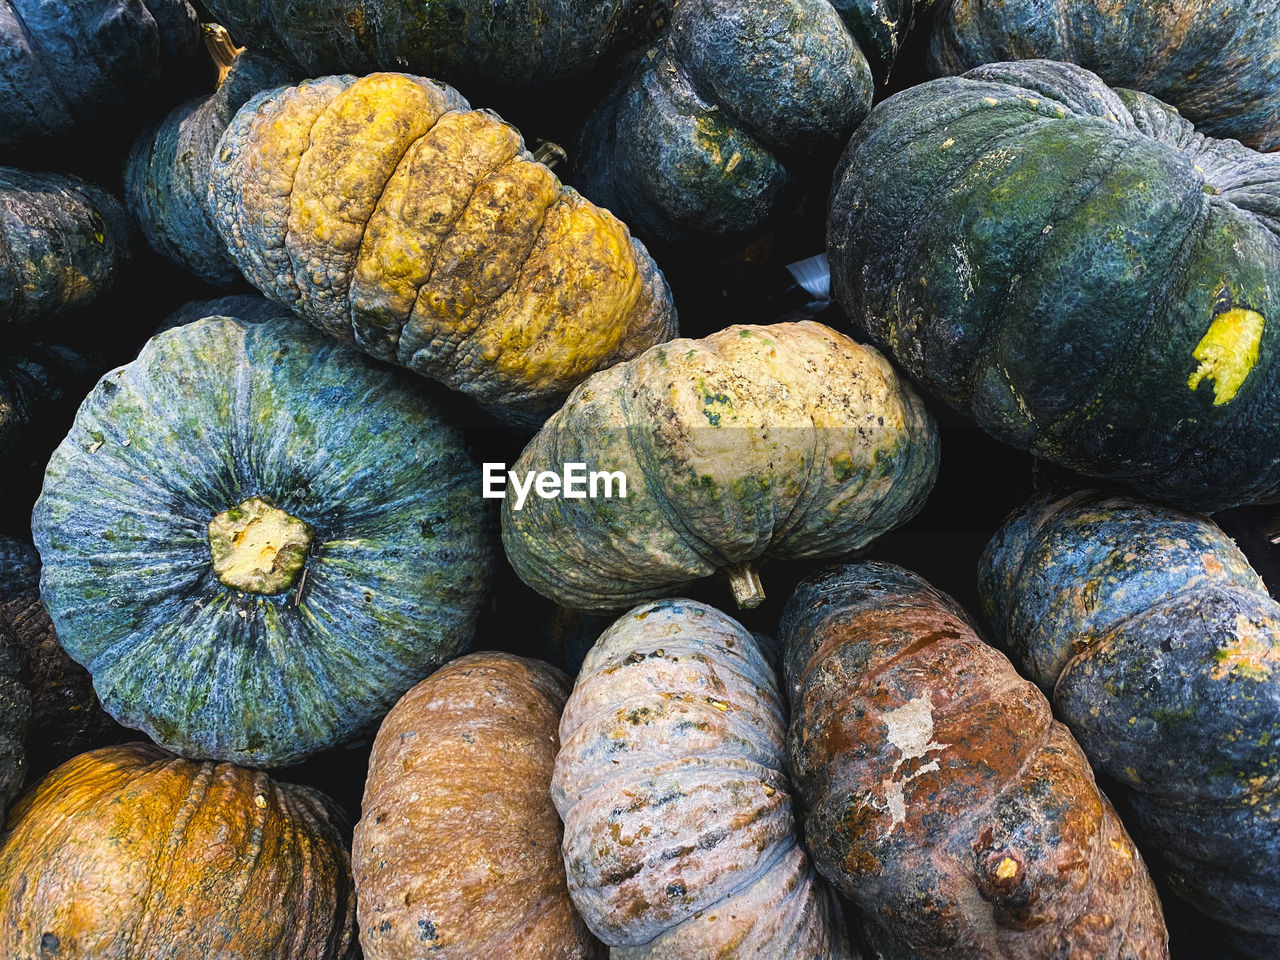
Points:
(429, 237)
(1158, 645)
(457, 852)
(939, 794)
(281, 531)
(131, 853)
(1078, 270)
(679, 839)
(788, 440)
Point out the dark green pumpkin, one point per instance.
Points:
(15, 712)
(39, 382)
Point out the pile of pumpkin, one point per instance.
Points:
(332, 289)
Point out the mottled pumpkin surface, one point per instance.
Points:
(940, 795)
(1160, 648)
(457, 852)
(788, 441)
(1077, 269)
(131, 853)
(256, 540)
(392, 216)
(679, 837)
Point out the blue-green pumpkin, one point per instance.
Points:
(256, 540)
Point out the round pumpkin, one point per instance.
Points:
(1160, 648)
(940, 795)
(15, 713)
(679, 837)
(256, 540)
(1078, 270)
(130, 853)
(788, 440)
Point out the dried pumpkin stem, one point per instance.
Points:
(222, 49)
(258, 548)
(744, 581)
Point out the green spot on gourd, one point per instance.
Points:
(842, 467)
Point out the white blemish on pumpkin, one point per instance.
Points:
(910, 729)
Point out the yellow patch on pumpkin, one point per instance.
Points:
(1228, 352)
(1248, 654)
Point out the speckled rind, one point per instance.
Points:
(671, 779)
(209, 415)
(940, 796)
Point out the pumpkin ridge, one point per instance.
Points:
(35, 47)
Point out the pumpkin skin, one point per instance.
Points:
(1029, 212)
(679, 838)
(130, 853)
(246, 307)
(214, 519)
(1157, 643)
(15, 714)
(430, 238)
(457, 851)
(788, 440)
(940, 795)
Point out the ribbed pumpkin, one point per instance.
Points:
(15, 713)
(130, 853)
(940, 795)
(679, 838)
(457, 852)
(788, 441)
(1078, 270)
(1159, 647)
(256, 540)
(393, 216)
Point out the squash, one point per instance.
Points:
(679, 837)
(1158, 645)
(940, 795)
(36, 381)
(131, 853)
(788, 440)
(457, 852)
(1078, 270)
(256, 540)
(1219, 66)
(429, 237)
(246, 307)
(15, 714)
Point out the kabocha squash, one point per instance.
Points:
(15, 713)
(1220, 66)
(246, 307)
(1158, 645)
(1078, 270)
(429, 237)
(679, 839)
(457, 852)
(130, 853)
(256, 540)
(788, 440)
(36, 380)
(940, 795)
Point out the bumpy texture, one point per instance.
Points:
(1218, 64)
(457, 852)
(679, 839)
(393, 216)
(1159, 647)
(940, 795)
(130, 853)
(15, 713)
(787, 441)
(1078, 270)
(215, 446)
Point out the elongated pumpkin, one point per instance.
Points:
(940, 795)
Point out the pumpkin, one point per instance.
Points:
(256, 540)
(246, 307)
(1158, 645)
(788, 440)
(1219, 66)
(940, 795)
(131, 853)
(15, 713)
(36, 381)
(430, 238)
(1078, 270)
(679, 837)
(457, 852)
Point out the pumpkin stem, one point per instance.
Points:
(549, 154)
(744, 581)
(257, 548)
(222, 49)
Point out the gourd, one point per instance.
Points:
(15, 714)
(429, 237)
(131, 853)
(679, 837)
(1158, 644)
(457, 852)
(1219, 66)
(788, 440)
(247, 307)
(1078, 270)
(256, 540)
(940, 795)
